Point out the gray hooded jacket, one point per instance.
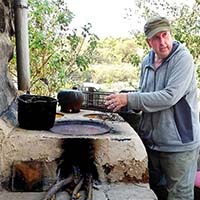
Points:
(168, 101)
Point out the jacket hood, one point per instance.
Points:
(177, 46)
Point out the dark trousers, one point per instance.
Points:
(172, 175)
(157, 179)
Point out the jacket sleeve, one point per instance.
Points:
(179, 80)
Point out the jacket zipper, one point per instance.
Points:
(154, 89)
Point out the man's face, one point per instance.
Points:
(161, 43)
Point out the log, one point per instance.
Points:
(90, 187)
(77, 188)
(57, 186)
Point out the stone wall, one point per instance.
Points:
(7, 89)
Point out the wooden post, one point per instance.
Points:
(22, 46)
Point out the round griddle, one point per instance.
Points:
(80, 127)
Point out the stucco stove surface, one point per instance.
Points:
(120, 129)
(121, 150)
(105, 192)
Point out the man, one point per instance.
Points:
(169, 126)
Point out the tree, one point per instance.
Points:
(186, 29)
(117, 51)
(57, 51)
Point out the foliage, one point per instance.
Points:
(116, 51)
(112, 56)
(186, 29)
(123, 75)
(57, 51)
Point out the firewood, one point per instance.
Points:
(57, 186)
(77, 188)
(90, 187)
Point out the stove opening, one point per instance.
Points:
(76, 171)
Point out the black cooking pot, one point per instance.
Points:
(70, 100)
(36, 112)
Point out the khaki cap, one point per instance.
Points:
(156, 25)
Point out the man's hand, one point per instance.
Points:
(116, 101)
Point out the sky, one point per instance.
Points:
(107, 16)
